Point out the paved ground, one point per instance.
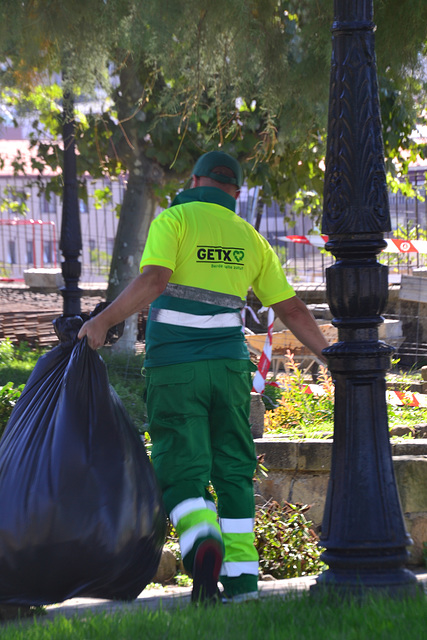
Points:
(167, 598)
(173, 597)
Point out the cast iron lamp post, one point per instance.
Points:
(363, 529)
(71, 240)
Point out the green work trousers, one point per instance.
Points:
(199, 426)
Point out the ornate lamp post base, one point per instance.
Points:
(356, 580)
(363, 529)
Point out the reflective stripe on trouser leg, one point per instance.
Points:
(195, 520)
(241, 557)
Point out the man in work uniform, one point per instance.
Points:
(199, 261)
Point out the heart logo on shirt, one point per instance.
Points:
(238, 255)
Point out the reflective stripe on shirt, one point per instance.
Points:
(218, 321)
(203, 295)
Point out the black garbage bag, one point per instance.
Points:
(80, 509)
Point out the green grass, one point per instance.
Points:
(291, 618)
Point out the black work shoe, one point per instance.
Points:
(206, 568)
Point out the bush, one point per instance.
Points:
(6, 351)
(8, 397)
(295, 413)
(286, 543)
(272, 394)
(297, 410)
(17, 362)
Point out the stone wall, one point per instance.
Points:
(298, 472)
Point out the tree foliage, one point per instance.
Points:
(180, 77)
(250, 76)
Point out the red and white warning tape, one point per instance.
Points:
(265, 360)
(393, 244)
(405, 246)
(315, 241)
(396, 398)
(407, 398)
(315, 389)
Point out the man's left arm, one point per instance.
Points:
(299, 319)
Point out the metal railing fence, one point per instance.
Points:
(32, 241)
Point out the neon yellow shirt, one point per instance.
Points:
(207, 246)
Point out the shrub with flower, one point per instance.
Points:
(300, 408)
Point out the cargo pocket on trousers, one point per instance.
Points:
(170, 392)
(239, 383)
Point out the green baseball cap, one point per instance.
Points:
(214, 159)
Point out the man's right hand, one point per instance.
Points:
(95, 332)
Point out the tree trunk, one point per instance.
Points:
(136, 214)
(139, 202)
